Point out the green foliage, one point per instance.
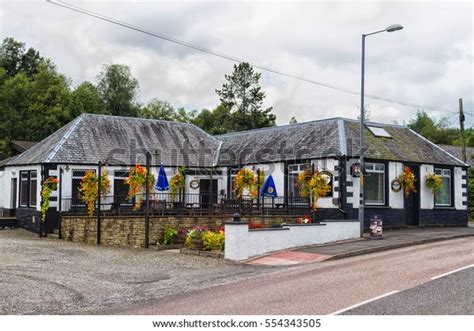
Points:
(293, 120)
(86, 99)
(243, 96)
(470, 186)
(118, 90)
(14, 58)
(213, 241)
(217, 121)
(437, 132)
(168, 235)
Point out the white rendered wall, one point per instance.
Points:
(458, 189)
(14, 172)
(426, 195)
(242, 243)
(396, 199)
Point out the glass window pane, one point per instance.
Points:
(443, 197)
(33, 184)
(24, 188)
(374, 186)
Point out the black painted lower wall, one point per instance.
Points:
(28, 218)
(395, 218)
(6, 212)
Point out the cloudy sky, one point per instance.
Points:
(429, 63)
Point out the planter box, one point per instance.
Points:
(168, 247)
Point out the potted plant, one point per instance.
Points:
(177, 182)
(407, 180)
(313, 185)
(434, 182)
(49, 185)
(89, 188)
(136, 181)
(169, 235)
(194, 237)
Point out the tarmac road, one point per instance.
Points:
(324, 288)
(449, 295)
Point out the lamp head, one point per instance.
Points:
(394, 27)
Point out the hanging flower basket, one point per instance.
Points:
(434, 182)
(314, 186)
(136, 181)
(177, 182)
(49, 185)
(245, 179)
(89, 188)
(407, 180)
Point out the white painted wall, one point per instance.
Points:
(242, 243)
(458, 190)
(396, 199)
(5, 189)
(328, 165)
(426, 195)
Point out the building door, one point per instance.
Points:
(13, 203)
(208, 196)
(412, 202)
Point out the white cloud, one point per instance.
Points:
(430, 62)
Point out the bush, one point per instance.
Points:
(213, 241)
(168, 235)
(195, 234)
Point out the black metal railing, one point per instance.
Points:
(192, 204)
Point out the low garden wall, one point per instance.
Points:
(242, 243)
(129, 231)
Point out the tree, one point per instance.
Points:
(86, 99)
(243, 96)
(118, 90)
(159, 110)
(217, 121)
(293, 120)
(14, 58)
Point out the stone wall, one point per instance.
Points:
(130, 231)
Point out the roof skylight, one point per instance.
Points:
(379, 132)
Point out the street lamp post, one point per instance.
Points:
(391, 28)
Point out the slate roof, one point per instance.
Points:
(288, 142)
(22, 145)
(124, 141)
(456, 151)
(329, 137)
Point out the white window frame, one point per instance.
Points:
(446, 173)
(295, 169)
(371, 167)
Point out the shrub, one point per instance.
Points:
(195, 234)
(213, 241)
(168, 235)
(256, 225)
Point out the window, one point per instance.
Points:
(379, 132)
(24, 188)
(33, 181)
(293, 190)
(120, 187)
(374, 185)
(28, 182)
(443, 197)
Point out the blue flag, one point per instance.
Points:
(269, 189)
(162, 182)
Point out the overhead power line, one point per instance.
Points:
(235, 59)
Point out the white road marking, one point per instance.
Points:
(452, 272)
(363, 303)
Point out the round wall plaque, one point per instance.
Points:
(194, 184)
(396, 185)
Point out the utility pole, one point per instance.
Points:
(461, 124)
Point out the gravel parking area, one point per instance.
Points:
(47, 276)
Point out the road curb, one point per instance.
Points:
(365, 251)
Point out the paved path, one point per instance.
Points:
(392, 239)
(321, 288)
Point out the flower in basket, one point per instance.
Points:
(136, 181)
(195, 233)
(245, 179)
(177, 182)
(49, 185)
(89, 188)
(434, 182)
(407, 180)
(303, 220)
(313, 185)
